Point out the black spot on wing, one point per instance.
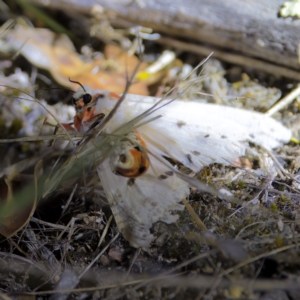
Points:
(170, 173)
(142, 169)
(223, 136)
(130, 182)
(116, 172)
(181, 124)
(206, 136)
(196, 153)
(189, 157)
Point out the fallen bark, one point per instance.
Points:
(245, 28)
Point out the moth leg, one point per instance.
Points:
(98, 119)
(66, 126)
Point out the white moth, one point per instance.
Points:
(140, 188)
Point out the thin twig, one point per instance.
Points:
(66, 228)
(42, 138)
(99, 255)
(136, 255)
(284, 102)
(68, 201)
(194, 215)
(255, 258)
(105, 231)
(55, 226)
(4, 297)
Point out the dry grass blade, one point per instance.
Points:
(24, 164)
(284, 102)
(196, 218)
(41, 138)
(197, 282)
(35, 100)
(105, 231)
(4, 297)
(138, 283)
(253, 259)
(100, 254)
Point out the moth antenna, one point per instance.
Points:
(77, 83)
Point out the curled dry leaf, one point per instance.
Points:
(57, 54)
(19, 207)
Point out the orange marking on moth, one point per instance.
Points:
(141, 161)
(114, 95)
(77, 122)
(139, 138)
(68, 127)
(86, 117)
(139, 167)
(88, 114)
(79, 115)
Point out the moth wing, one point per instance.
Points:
(197, 118)
(229, 123)
(193, 148)
(140, 202)
(198, 134)
(221, 121)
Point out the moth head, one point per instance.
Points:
(83, 99)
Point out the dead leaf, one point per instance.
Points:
(16, 212)
(57, 54)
